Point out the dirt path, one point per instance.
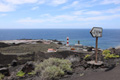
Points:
(109, 75)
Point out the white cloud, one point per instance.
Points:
(93, 12)
(98, 18)
(110, 2)
(62, 18)
(34, 8)
(30, 20)
(6, 7)
(53, 2)
(58, 2)
(67, 18)
(48, 18)
(93, 0)
(84, 12)
(42, 1)
(45, 15)
(79, 4)
(20, 1)
(1, 15)
(74, 4)
(10, 5)
(115, 10)
(102, 12)
(78, 12)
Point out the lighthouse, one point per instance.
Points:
(67, 41)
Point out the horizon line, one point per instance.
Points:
(54, 28)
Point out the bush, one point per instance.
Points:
(62, 63)
(86, 56)
(107, 55)
(1, 76)
(52, 72)
(31, 73)
(20, 74)
(53, 67)
(105, 52)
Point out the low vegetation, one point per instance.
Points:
(31, 73)
(20, 74)
(53, 68)
(107, 54)
(25, 48)
(87, 56)
(1, 76)
(52, 72)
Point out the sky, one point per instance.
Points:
(59, 14)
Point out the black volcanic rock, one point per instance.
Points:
(14, 63)
(2, 45)
(7, 59)
(5, 71)
(28, 67)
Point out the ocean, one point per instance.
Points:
(110, 38)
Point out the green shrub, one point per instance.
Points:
(53, 67)
(52, 72)
(105, 52)
(86, 56)
(117, 56)
(107, 55)
(65, 67)
(31, 73)
(1, 76)
(20, 74)
(62, 63)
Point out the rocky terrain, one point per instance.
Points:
(23, 57)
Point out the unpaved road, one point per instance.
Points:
(113, 74)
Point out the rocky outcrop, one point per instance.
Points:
(4, 71)
(7, 59)
(14, 63)
(2, 45)
(28, 67)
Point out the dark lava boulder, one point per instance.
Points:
(14, 63)
(39, 42)
(60, 43)
(28, 67)
(89, 48)
(2, 45)
(4, 71)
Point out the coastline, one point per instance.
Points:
(110, 37)
(24, 51)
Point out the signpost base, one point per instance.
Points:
(94, 63)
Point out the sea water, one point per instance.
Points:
(110, 38)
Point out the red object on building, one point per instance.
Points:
(51, 50)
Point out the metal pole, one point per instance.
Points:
(96, 52)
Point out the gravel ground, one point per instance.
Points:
(113, 74)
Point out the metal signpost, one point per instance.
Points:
(96, 32)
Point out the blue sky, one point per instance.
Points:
(82, 14)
